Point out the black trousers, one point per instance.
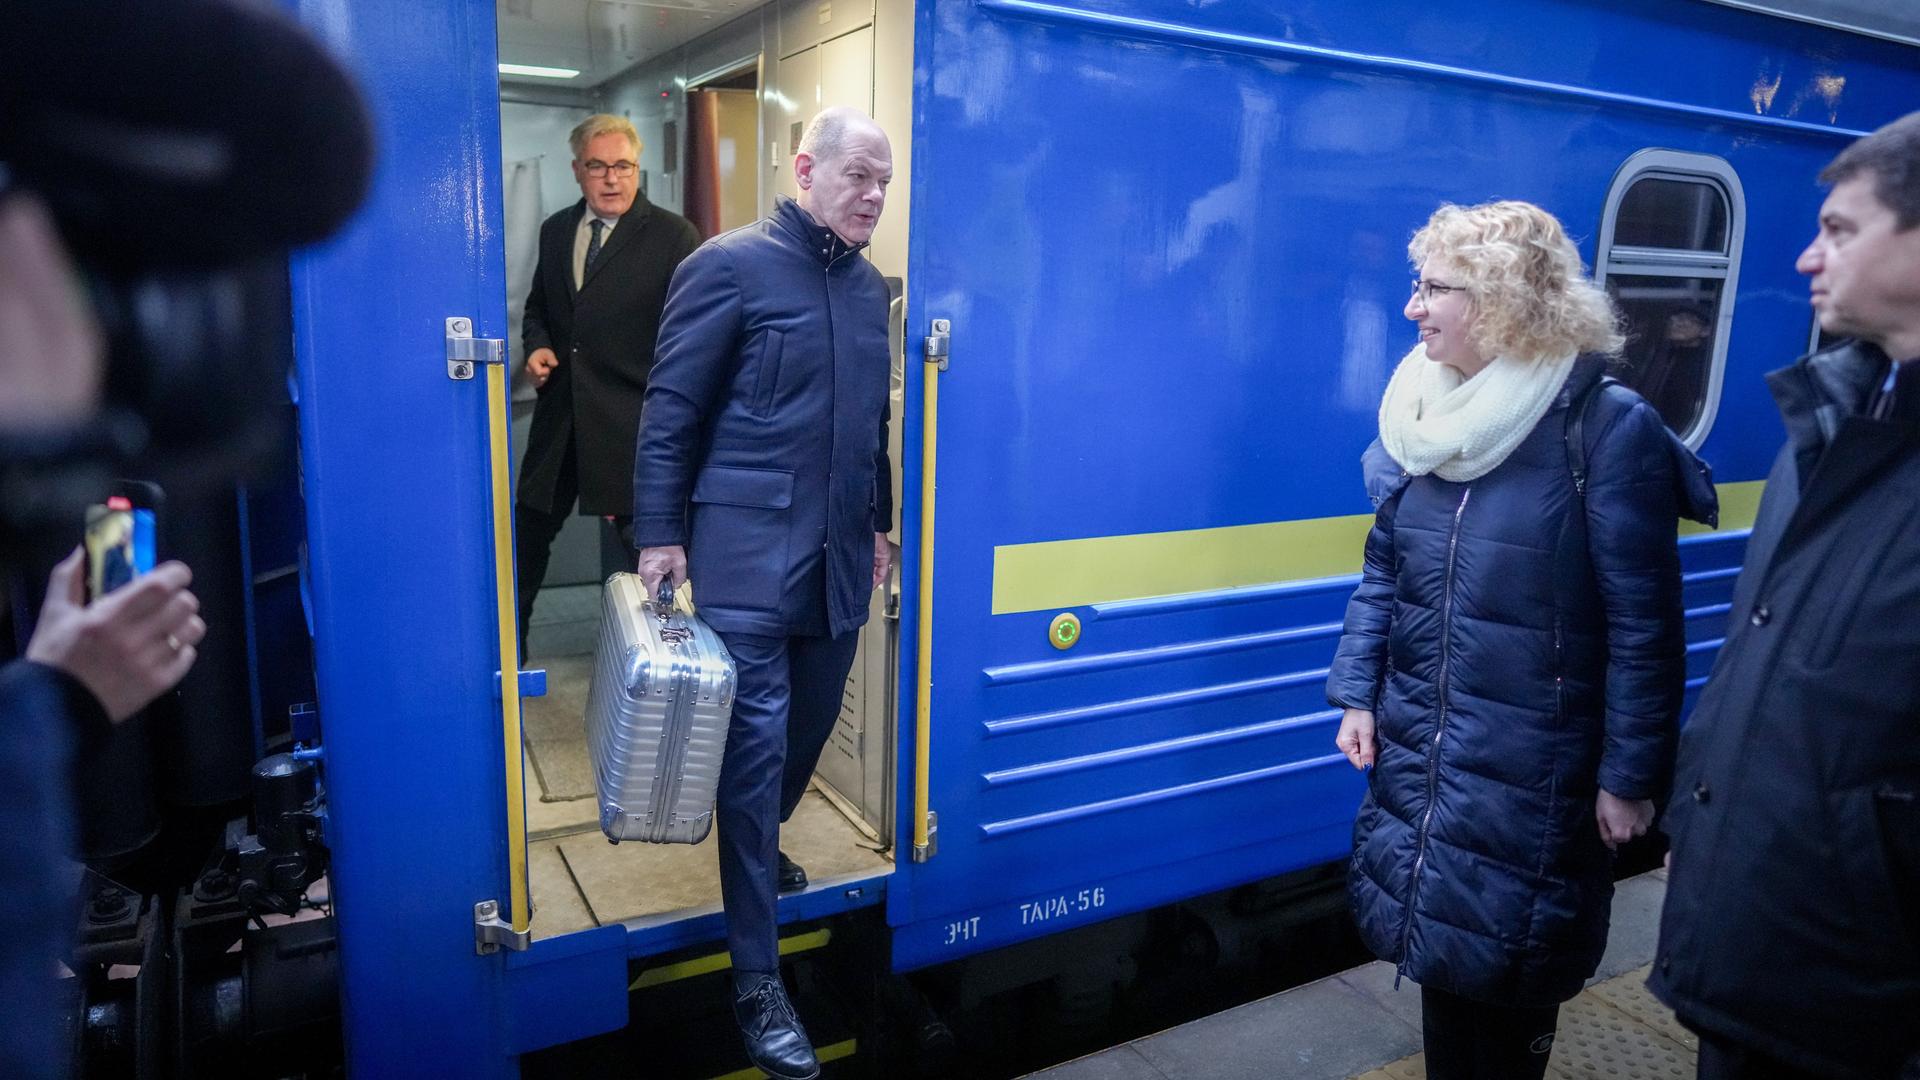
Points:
(785, 702)
(535, 528)
(1471, 1040)
(1724, 1059)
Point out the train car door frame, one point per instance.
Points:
(399, 473)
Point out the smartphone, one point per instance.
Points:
(119, 543)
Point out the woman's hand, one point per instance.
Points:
(1621, 819)
(128, 647)
(1356, 737)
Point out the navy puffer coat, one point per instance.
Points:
(1521, 647)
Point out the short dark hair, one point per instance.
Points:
(1892, 155)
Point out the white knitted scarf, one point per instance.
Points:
(1433, 421)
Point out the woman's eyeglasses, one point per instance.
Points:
(1427, 290)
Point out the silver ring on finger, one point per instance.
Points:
(174, 643)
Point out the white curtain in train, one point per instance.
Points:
(521, 191)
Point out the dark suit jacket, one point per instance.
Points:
(604, 335)
(763, 447)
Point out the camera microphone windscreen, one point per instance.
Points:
(179, 135)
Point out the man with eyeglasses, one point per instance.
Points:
(591, 320)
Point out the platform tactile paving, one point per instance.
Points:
(1630, 995)
(1412, 1068)
(1615, 1030)
(1599, 1042)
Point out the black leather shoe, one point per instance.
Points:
(776, 1043)
(792, 878)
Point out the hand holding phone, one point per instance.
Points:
(129, 646)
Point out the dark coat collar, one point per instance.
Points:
(1820, 391)
(821, 242)
(1836, 448)
(1588, 368)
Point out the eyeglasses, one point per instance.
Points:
(598, 169)
(1427, 290)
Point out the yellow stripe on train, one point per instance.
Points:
(1104, 569)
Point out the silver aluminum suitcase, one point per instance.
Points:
(657, 717)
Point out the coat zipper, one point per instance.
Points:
(1559, 670)
(833, 429)
(1440, 729)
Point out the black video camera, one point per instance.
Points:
(183, 149)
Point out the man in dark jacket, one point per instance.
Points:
(1791, 936)
(591, 321)
(762, 473)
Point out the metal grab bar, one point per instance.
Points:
(464, 353)
(925, 824)
(520, 917)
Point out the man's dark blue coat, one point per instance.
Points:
(1792, 920)
(1521, 647)
(763, 441)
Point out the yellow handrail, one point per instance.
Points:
(923, 697)
(518, 913)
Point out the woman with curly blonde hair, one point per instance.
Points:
(1512, 664)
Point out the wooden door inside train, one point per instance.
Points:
(1145, 489)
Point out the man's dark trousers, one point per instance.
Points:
(786, 699)
(1721, 1059)
(534, 529)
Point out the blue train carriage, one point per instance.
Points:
(1168, 303)
(1153, 256)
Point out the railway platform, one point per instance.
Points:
(1356, 1026)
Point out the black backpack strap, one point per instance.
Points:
(1576, 433)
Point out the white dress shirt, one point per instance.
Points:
(582, 236)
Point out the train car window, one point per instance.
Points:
(1669, 252)
(1670, 341)
(1662, 213)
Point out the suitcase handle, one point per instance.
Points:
(672, 631)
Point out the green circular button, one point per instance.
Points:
(1065, 631)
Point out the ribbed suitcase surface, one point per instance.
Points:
(657, 717)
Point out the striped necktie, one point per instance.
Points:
(593, 244)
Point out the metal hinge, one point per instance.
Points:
(490, 931)
(938, 343)
(923, 852)
(464, 351)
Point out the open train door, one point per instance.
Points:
(1143, 490)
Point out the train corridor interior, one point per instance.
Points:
(719, 92)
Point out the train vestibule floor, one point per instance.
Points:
(578, 880)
